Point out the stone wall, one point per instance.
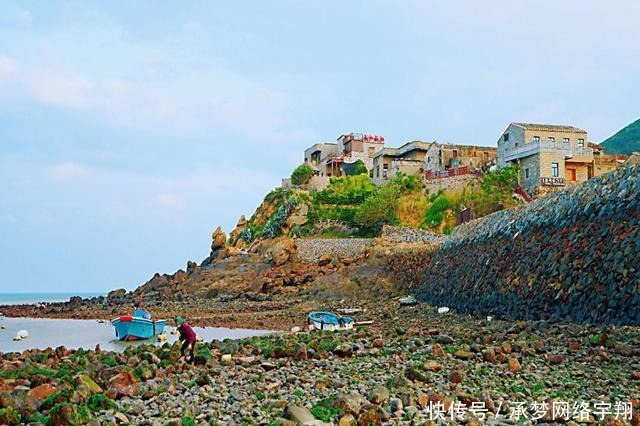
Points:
(309, 250)
(401, 234)
(573, 255)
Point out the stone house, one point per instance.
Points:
(441, 157)
(550, 156)
(605, 163)
(351, 148)
(318, 154)
(407, 159)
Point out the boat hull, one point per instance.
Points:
(329, 321)
(135, 328)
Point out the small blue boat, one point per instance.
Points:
(329, 321)
(137, 327)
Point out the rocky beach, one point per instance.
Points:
(565, 350)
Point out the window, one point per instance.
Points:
(385, 168)
(372, 150)
(555, 171)
(455, 153)
(565, 139)
(536, 138)
(580, 143)
(506, 137)
(428, 160)
(551, 139)
(526, 173)
(378, 171)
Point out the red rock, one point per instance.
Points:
(574, 346)
(514, 365)
(36, 395)
(123, 384)
(555, 359)
(506, 348)
(490, 356)
(432, 366)
(436, 350)
(635, 375)
(377, 343)
(455, 377)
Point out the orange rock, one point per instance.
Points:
(514, 365)
(432, 366)
(36, 395)
(123, 384)
(436, 350)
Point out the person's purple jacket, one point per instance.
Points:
(187, 333)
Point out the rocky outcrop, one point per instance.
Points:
(572, 255)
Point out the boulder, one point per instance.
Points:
(38, 394)
(86, 386)
(218, 240)
(349, 403)
(325, 259)
(302, 416)
(378, 394)
(123, 384)
(117, 294)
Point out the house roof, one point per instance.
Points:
(549, 127)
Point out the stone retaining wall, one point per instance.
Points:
(572, 255)
(309, 250)
(401, 234)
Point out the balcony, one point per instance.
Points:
(535, 147)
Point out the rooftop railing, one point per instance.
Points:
(536, 146)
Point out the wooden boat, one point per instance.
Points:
(329, 321)
(131, 327)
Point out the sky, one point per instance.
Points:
(130, 130)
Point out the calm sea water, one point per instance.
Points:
(31, 298)
(44, 333)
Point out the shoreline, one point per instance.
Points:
(387, 374)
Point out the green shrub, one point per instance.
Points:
(98, 402)
(302, 174)
(188, 421)
(435, 213)
(325, 411)
(346, 190)
(9, 416)
(378, 209)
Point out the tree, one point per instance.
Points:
(302, 174)
(379, 209)
(360, 168)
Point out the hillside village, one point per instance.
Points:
(548, 157)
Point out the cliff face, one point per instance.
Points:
(573, 255)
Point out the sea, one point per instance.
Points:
(75, 333)
(31, 298)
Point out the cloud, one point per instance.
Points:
(67, 171)
(24, 17)
(159, 88)
(59, 87)
(171, 201)
(7, 67)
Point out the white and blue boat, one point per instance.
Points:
(329, 321)
(138, 326)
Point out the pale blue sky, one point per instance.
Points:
(130, 130)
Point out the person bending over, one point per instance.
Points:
(187, 337)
